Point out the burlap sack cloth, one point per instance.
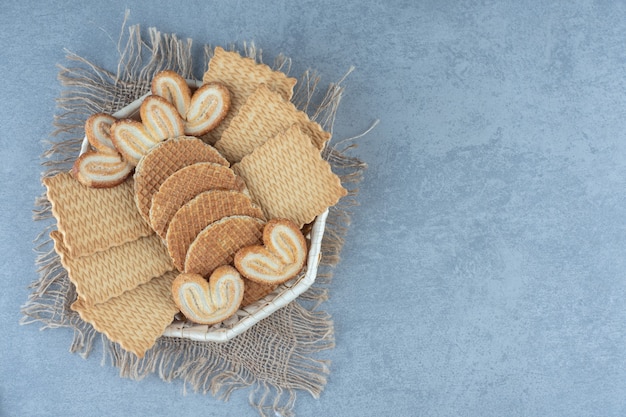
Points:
(275, 358)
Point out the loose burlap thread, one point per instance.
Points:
(275, 358)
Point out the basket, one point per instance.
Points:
(248, 316)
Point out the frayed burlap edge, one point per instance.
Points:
(275, 358)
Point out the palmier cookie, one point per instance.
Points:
(159, 121)
(281, 257)
(172, 87)
(163, 160)
(204, 209)
(202, 111)
(209, 106)
(209, 302)
(161, 118)
(102, 167)
(183, 185)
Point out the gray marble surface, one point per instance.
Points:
(484, 273)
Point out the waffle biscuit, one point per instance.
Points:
(135, 319)
(289, 179)
(281, 257)
(264, 115)
(161, 119)
(165, 159)
(204, 209)
(254, 291)
(94, 219)
(209, 302)
(107, 274)
(172, 87)
(217, 244)
(183, 185)
(242, 76)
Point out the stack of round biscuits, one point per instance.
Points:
(191, 197)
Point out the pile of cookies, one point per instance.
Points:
(195, 207)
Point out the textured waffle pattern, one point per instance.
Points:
(198, 213)
(165, 159)
(217, 244)
(264, 115)
(136, 318)
(183, 185)
(104, 275)
(289, 179)
(254, 291)
(92, 220)
(242, 76)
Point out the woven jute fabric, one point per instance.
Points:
(275, 359)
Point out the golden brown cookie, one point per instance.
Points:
(132, 139)
(102, 167)
(161, 119)
(242, 76)
(209, 106)
(110, 273)
(186, 183)
(289, 179)
(212, 301)
(217, 244)
(94, 219)
(254, 291)
(172, 87)
(204, 209)
(279, 259)
(101, 170)
(165, 159)
(98, 132)
(135, 319)
(264, 115)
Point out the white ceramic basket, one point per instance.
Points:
(260, 309)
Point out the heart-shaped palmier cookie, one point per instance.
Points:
(281, 257)
(209, 302)
(159, 121)
(202, 111)
(102, 167)
(209, 106)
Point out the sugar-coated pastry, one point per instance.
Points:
(102, 167)
(131, 139)
(161, 119)
(209, 302)
(172, 87)
(281, 257)
(209, 106)
(101, 170)
(98, 132)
